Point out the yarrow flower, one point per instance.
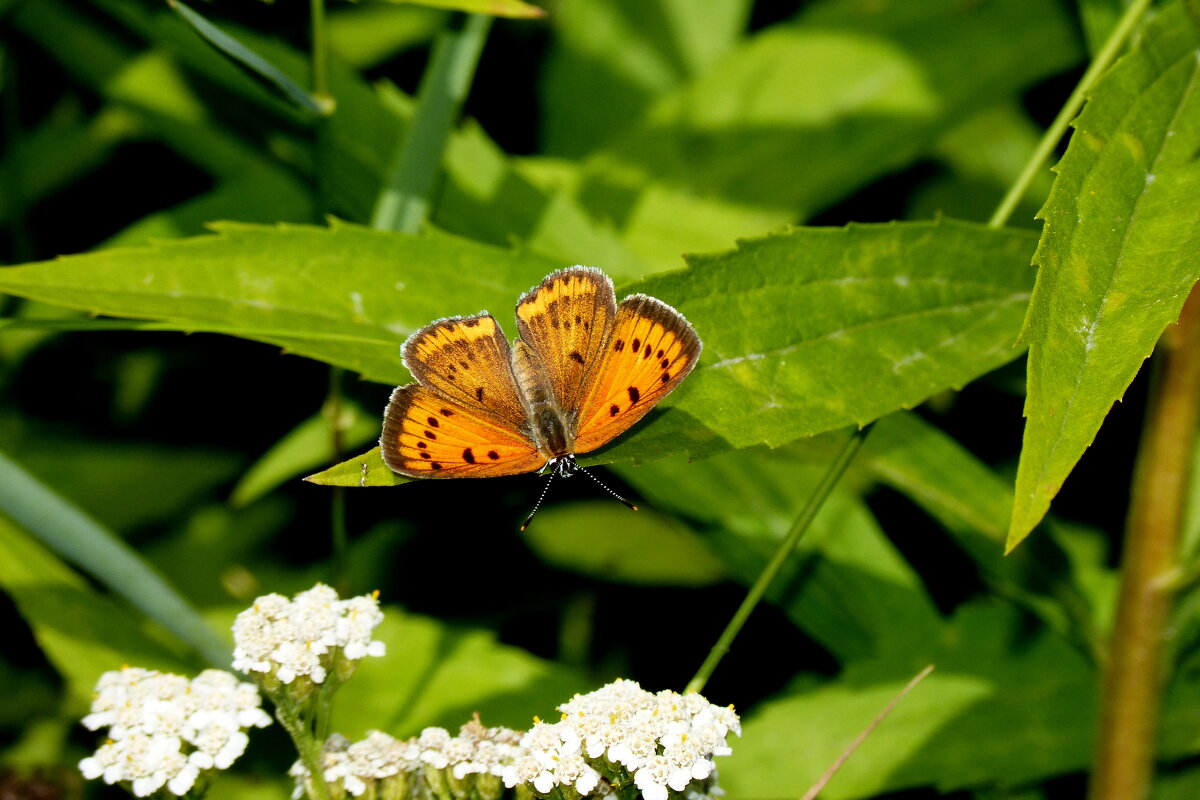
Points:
(306, 637)
(433, 764)
(164, 730)
(622, 733)
(663, 744)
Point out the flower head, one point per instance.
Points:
(164, 730)
(308, 636)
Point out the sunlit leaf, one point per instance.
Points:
(1117, 254)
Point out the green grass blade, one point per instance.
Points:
(70, 532)
(249, 61)
(1117, 254)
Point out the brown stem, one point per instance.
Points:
(1135, 674)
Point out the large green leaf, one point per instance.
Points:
(437, 674)
(347, 295)
(818, 328)
(801, 115)
(609, 58)
(1117, 255)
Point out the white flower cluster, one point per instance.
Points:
(302, 636)
(430, 762)
(164, 730)
(621, 732)
(619, 736)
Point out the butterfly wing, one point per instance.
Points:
(650, 350)
(566, 320)
(466, 360)
(427, 436)
(463, 417)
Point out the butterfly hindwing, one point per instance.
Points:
(466, 360)
(566, 320)
(650, 350)
(427, 436)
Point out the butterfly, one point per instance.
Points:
(581, 372)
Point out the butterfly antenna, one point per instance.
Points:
(538, 504)
(610, 491)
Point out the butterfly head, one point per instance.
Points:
(562, 466)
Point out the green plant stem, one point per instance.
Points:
(818, 498)
(403, 204)
(1054, 134)
(335, 411)
(308, 747)
(319, 62)
(1131, 701)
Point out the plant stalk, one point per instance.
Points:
(307, 745)
(1054, 134)
(403, 204)
(1134, 680)
(818, 498)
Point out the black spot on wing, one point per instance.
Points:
(634, 396)
(468, 456)
(575, 356)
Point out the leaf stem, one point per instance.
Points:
(818, 498)
(1133, 682)
(403, 204)
(1054, 134)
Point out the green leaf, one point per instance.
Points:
(1117, 254)
(436, 674)
(801, 115)
(101, 476)
(365, 35)
(973, 503)
(819, 328)
(1039, 692)
(70, 532)
(81, 632)
(609, 58)
(605, 540)
(497, 8)
(845, 585)
(251, 62)
(346, 295)
(307, 445)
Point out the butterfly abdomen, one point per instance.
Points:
(547, 427)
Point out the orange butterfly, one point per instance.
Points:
(582, 372)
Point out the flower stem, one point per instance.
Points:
(307, 745)
(403, 204)
(818, 498)
(1133, 682)
(1054, 134)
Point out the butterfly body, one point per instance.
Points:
(582, 371)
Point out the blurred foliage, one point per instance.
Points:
(165, 174)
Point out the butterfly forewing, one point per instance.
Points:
(566, 321)
(650, 350)
(427, 436)
(466, 360)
